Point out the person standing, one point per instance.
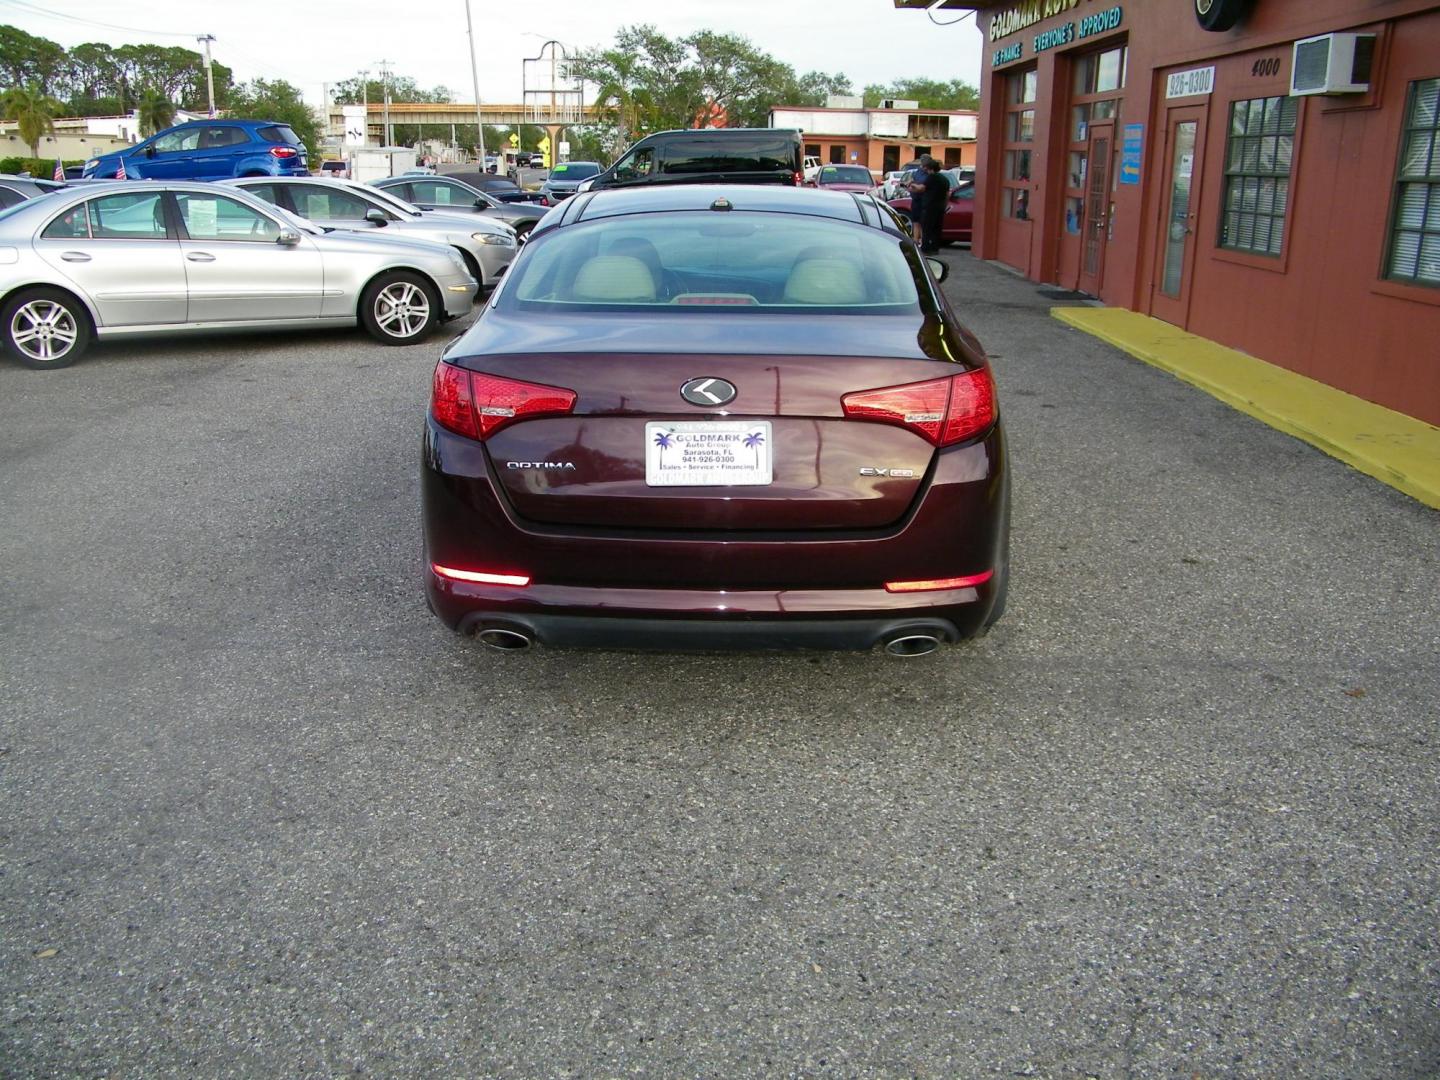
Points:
(934, 194)
(917, 196)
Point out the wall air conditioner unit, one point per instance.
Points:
(1332, 64)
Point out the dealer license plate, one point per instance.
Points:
(708, 453)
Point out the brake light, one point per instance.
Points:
(942, 411)
(477, 405)
(283, 151)
(940, 583)
(479, 576)
(799, 178)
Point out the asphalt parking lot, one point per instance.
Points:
(262, 814)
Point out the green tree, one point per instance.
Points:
(27, 60)
(33, 112)
(157, 112)
(265, 99)
(360, 88)
(930, 93)
(647, 82)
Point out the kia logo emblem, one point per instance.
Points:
(707, 391)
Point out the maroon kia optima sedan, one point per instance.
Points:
(708, 417)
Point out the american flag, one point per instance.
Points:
(120, 172)
(59, 171)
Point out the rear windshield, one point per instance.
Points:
(845, 174)
(760, 154)
(575, 170)
(279, 133)
(701, 260)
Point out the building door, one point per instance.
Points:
(1175, 259)
(1095, 230)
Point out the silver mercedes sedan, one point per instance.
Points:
(487, 246)
(142, 257)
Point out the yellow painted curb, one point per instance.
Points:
(1394, 448)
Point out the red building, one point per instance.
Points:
(1263, 173)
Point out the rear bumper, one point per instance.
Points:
(714, 635)
(681, 592)
(687, 620)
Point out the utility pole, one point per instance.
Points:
(206, 39)
(475, 74)
(385, 86)
(365, 100)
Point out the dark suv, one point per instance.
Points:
(708, 156)
(209, 150)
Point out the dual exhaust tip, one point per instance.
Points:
(902, 643)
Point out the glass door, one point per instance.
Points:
(1095, 230)
(1175, 255)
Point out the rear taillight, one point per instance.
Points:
(936, 584)
(480, 577)
(283, 151)
(477, 405)
(799, 179)
(943, 411)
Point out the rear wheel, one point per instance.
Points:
(45, 328)
(399, 308)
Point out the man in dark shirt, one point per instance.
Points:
(934, 194)
(916, 185)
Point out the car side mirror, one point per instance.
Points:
(481, 204)
(150, 150)
(376, 216)
(939, 269)
(288, 238)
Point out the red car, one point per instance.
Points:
(843, 178)
(705, 417)
(959, 213)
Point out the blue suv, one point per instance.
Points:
(209, 150)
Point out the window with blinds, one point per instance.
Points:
(1414, 254)
(1259, 155)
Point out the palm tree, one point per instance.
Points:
(753, 442)
(157, 112)
(33, 112)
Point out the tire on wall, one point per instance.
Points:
(1221, 14)
(399, 308)
(45, 329)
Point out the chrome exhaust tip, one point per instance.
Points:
(912, 645)
(502, 640)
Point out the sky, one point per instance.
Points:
(310, 45)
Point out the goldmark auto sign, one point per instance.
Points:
(1026, 14)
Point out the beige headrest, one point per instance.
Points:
(825, 281)
(614, 279)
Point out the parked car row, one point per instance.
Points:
(110, 260)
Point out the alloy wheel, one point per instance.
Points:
(402, 309)
(44, 330)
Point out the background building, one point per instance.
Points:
(1208, 164)
(885, 139)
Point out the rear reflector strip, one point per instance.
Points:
(479, 577)
(940, 583)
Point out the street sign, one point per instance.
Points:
(354, 119)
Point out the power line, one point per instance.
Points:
(34, 9)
